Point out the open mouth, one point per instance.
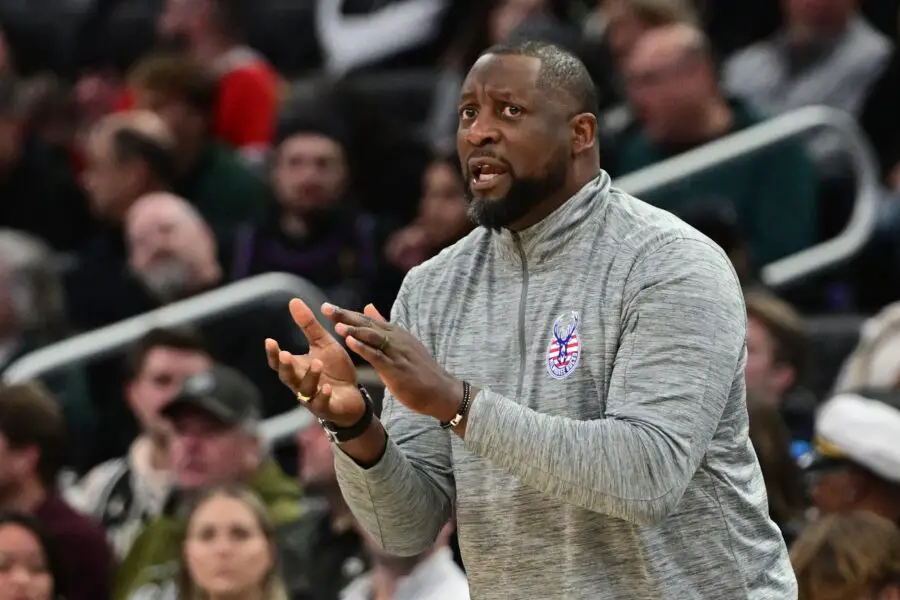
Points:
(486, 173)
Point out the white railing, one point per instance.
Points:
(807, 262)
(203, 307)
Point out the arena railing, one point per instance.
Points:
(822, 256)
(203, 307)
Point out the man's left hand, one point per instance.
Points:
(404, 364)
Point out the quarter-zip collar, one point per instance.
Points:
(546, 238)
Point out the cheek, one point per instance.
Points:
(256, 559)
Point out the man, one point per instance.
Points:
(215, 419)
(610, 458)
(208, 173)
(826, 54)
(32, 449)
(672, 85)
(211, 32)
(856, 461)
(776, 361)
(172, 253)
(315, 230)
(124, 493)
(431, 575)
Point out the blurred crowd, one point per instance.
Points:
(155, 150)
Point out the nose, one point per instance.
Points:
(482, 131)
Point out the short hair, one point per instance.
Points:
(30, 417)
(140, 135)
(784, 324)
(560, 70)
(186, 339)
(178, 76)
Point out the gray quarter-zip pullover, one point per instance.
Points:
(608, 455)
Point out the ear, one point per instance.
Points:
(26, 460)
(584, 133)
(783, 377)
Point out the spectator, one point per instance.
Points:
(856, 463)
(316, 232)
(123, 494)
(172, 252)
(624, 22)
(336, 551)
(848, 556)
(875, 362)
(432, 574)
(34, 184)
(442, 218)
(247, 88)
(32, 315)
(30, 567)
(209, 174)
(826, 53)
(671, 80)
(215, 418)
(777, 353)
(32, 448)
(784, 480)
(218, 563)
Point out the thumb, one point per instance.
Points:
(372, 312)
(304, 317)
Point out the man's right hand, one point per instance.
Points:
(325, 376)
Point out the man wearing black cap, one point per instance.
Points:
(215, 418)
(314, 229)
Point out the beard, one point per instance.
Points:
(525, 193)
(169, 280)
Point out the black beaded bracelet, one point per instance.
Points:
(463, 407)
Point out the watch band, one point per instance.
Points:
(339, 435)
(463, 408)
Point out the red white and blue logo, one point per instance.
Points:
(565, 347)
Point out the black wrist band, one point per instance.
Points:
(340, 435)
(463, 407)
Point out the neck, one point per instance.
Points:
(28, 498)
(254, 594)
(583, 173)
(293, 224)
(160, 458)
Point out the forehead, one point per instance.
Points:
(310, 144)
(163, 357)
(505, 75)
(653, 54)
(155, 214)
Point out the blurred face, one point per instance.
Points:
(112, 185)
(167, 249)
(508, 15)
(179, 20)
(226, 551)
(514, 141)
(206, 451)
(310, 173)
(765, 376)
(443, 207)
(316, 458)
(818, 17)
(183, 121)
(623, 29)
(835, 489)
(24, 573)
(163, 372)
(667, 89)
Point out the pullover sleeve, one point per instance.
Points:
(681, 349)
(404, 500)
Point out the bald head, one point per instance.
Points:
(140, 122)
(171, 248)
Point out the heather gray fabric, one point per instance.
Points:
(631, 478)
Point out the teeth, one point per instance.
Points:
(483, 177)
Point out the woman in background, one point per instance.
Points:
(28, 569)
(848, 557)
(229, 549)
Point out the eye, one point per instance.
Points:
(467, 113)
(511, 111)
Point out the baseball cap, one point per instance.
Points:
(862, 428)
(221, 392)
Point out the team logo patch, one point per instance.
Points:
(565, 347)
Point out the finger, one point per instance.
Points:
(309, 383)
(347, 317)
(305, 319)
(319, 404)
(272, 351)
(372, 355)
(371, 337)
(291, 369)
(372, 312)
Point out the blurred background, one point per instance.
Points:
(172, 171)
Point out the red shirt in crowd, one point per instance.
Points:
(247, 104)
(82, 548)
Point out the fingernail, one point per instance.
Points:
(328, 307)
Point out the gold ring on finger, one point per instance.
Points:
(302, 398)
(384, 344)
